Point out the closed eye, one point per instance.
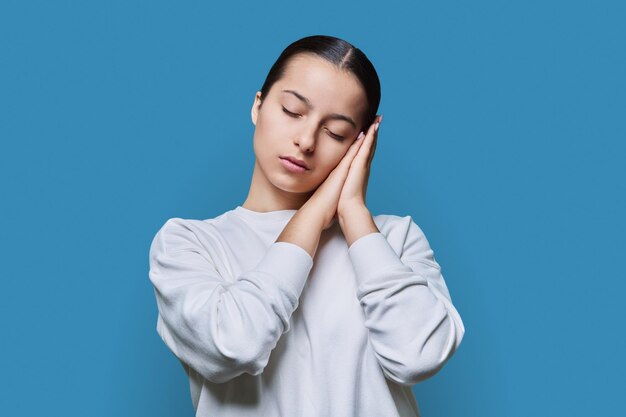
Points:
(335, 136)
(290, 113)
(331, 134)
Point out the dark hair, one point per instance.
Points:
(336, 51)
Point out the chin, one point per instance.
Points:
(295, 189)
(293, 186)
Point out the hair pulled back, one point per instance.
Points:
(342, 54)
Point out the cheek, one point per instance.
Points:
(270, 130)
(332, 159)
(265, 137)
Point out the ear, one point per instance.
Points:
(255, 107)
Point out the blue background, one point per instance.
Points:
(503, 136)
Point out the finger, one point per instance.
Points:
(351, 153)
(375, 141)
(373, 149)
(365, 150)
(355, 146)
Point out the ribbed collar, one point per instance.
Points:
(267, 216)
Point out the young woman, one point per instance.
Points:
(299, 302)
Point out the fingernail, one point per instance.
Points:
(376, 126)
(361, 135)
(381, 118)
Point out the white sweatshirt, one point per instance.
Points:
(263, 329)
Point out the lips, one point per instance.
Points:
(296, 161)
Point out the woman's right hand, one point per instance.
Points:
(325, 199)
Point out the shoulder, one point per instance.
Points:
(397, 226)
(405, 235)
(178, 233)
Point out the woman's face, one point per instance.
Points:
(328, 105)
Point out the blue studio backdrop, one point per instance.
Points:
(503, 137)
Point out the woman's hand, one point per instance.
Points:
(355, 185)
(325, 199)
(344, 187)
(319, 211)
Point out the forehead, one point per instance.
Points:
(328, 88)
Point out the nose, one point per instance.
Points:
(306, 139)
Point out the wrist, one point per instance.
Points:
(355, 223)
(315, 217)
(351, 210)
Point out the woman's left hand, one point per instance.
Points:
(355, 186)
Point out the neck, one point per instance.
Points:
(265, 196)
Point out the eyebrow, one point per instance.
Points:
(330, 116)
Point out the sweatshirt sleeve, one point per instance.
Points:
(412, 324)
(222, 328)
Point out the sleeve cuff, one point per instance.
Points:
(288, 264)
(370, 254)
